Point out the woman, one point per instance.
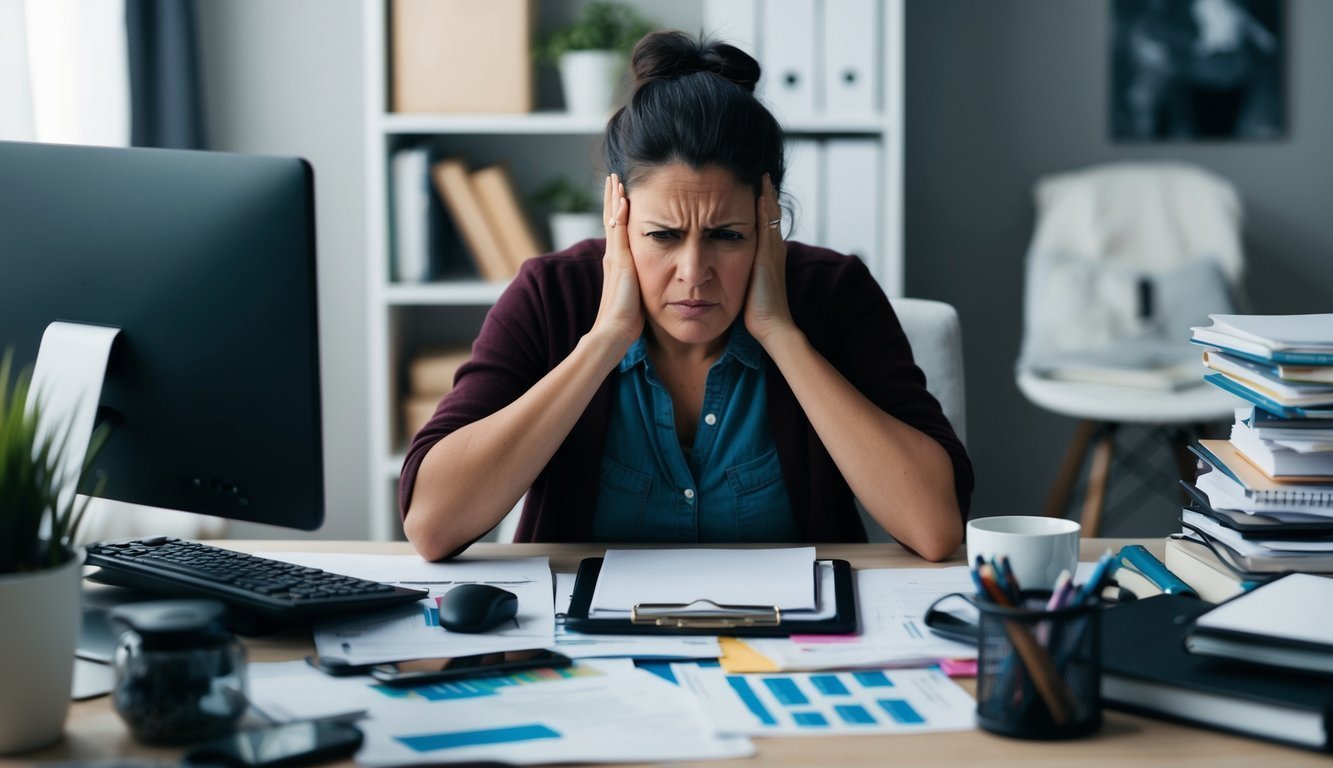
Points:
(692, 377)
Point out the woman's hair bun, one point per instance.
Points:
(668, 55)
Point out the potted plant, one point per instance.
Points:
(570, 212)
(39, 569)
(591, 54)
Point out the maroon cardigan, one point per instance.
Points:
(552, 303)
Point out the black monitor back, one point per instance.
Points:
(206, 262)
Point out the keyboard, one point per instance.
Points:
(262, 588)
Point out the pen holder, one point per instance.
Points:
(1039, 671)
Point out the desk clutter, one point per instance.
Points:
(1262, 501)
(632, 695)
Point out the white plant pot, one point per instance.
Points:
(41, 613)
(570, 228)
(590, 80)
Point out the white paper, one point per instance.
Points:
(1280, 609)
(608, 713)
(778, 577)
(872, 701)
(285, 691)
(413, 631)
(891, 606)
(578, 645)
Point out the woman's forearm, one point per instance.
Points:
(902, 476)
(471, 478)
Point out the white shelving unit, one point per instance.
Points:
(540, 144)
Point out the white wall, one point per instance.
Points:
(286, 78)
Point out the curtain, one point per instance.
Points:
(166, 106)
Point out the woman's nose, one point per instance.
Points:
(691, 267)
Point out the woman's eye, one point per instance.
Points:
(726, 234)
(663, 234)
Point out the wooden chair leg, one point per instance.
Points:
(1058, 501)
(1099, 474)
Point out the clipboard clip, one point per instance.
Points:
(705, 614)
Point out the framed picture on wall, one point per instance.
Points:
(1196, 69)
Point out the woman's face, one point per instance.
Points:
(692, 234)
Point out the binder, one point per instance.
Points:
(703, 617)
(804, 184)
(455, 187)
(853, 198)
(850, 69)
(734, 22)
(411, 215)
(787, 56)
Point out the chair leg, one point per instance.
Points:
(1058, 501)
(1099, 474)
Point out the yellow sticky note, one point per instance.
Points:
(739, 657)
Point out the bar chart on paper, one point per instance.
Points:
(870, 701)
(486, 686)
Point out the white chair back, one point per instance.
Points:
(936, 335)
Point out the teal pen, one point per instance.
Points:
(1008, 582)
(1138, 558)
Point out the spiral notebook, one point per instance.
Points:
(1258, 487)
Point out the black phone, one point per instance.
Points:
(424, 671)
(291, 744)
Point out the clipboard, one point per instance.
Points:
(703, 617)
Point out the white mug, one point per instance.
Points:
(1038, 548)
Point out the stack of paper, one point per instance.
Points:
(782, 578)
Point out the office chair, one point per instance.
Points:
(1124, 259)
(936, 336)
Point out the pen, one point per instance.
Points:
(992, 585)
(1060, 594)
(1141, 560)
(975, 571)
(1008, 582)
(1093, 585)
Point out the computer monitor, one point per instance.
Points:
(206, 262)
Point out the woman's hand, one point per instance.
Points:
(620, 313)
(766, 308)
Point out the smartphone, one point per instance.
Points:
(424, 671)
(280, 745)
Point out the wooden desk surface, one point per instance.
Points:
(95, 731)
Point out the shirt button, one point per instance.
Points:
(710, 419)
(689, 493)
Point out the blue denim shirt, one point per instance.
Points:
(727, 488)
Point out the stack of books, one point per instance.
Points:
(1262, 503)
(430, 376)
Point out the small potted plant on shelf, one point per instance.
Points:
(570, 212)
(40, 569)
(591, 54)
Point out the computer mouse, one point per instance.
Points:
(476, 608)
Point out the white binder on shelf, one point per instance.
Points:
(733, 21)
(409, 171)
(854, 200)
(804, 186)
(850, 47)
(787, 55)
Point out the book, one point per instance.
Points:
(432, 372)
(417, 410)
(500, 202)
(1285, 410)
(1296, 339)
(1252, 557)
(1259, 523)
(1136, 582)
(1272, 624)
(454, 184)
(1264, 378)
(1279, 462)
(1198, 566)
(1223, 455)
(408, 171)
(1313, 373)
(1146, 670)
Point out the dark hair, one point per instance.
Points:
(694, 103)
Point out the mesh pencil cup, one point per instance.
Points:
(1038, 671)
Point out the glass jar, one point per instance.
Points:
(180, 675)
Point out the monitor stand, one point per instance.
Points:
(67, 383)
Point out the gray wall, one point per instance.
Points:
(287, 78)
(1002, 93)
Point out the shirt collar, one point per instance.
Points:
(740, 345)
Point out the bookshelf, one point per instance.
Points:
(404, 318)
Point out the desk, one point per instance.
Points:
(1125, 741)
